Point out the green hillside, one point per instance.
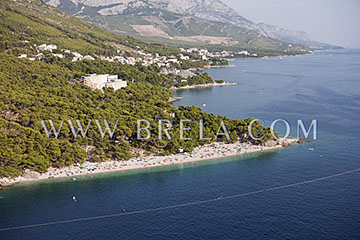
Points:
(39, 23)
(31, 91)
(50, 89)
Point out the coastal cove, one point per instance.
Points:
(322, 86)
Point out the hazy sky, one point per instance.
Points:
(330, 21)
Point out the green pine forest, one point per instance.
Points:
(50, 89)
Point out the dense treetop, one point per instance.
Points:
(31, 91)
(51, 89)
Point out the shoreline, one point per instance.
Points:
(201, 153)
(275, 56)
(174, 99)
(227, 66)
(210, 66)
(207, 85)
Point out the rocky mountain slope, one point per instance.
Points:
(24, 23)
(181, 22)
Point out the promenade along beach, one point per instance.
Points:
(201, 153)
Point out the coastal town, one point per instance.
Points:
(167, 64)
(145, 59)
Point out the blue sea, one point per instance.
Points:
(324, 86)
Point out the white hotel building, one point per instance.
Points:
(95, 81)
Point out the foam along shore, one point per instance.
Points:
(205, 152)
(207, 85)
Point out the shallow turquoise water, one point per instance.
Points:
(323, 86)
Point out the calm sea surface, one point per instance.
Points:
(323, 86)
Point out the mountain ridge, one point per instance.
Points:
(105, 12)
(185, 22)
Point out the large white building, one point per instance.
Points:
(100, 81)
